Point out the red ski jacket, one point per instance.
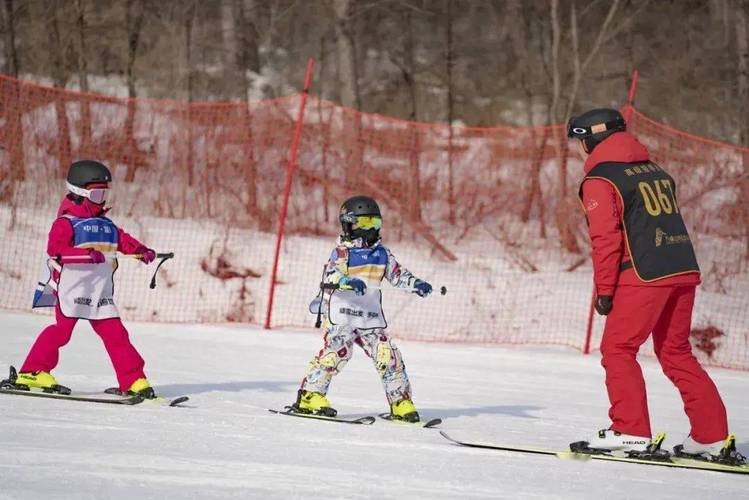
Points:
(605, 211)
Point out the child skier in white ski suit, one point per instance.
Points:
(353, 312)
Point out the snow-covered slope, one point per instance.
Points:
(228, 446)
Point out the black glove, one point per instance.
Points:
(603, 305)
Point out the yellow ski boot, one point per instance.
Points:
(404, 410)
(313, 402)
(142, 388)
(39, 380)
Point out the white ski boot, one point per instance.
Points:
(720, 451)
(607, 441)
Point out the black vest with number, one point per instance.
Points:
(656, 235)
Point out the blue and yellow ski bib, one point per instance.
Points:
(361, 311)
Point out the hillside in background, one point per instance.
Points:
(477, 62)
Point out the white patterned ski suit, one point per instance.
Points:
(352, 319)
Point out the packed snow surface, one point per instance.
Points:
(227, 445)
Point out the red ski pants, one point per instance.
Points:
(667, 313)
(127, 363)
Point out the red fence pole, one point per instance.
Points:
(631, 96)
(290, 169)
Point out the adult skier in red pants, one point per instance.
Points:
(645, 274)
(80, 283)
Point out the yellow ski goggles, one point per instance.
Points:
(368, 222)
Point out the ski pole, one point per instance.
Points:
(164, 257)
(72, 259)
(443, 289)
(85, 259)
(323, 286)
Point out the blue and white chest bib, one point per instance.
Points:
(84, 291)
(361, 311)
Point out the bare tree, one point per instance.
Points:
(566, 205)
(247, 63)
(14, 114)
(81, 25)
(60, 77)
(742, 84)
(188, 20)
(520, 40)
(449, 64)
(566, 234)
(135, 11)
(348, 80)
(11, 52)
(409, 75)
(348, 77)
(742, 67)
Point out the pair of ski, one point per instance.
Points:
(365, 420)
(109, 396)
(663, 459)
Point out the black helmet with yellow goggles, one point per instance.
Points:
(360, 217)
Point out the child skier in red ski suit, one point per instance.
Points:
(645, 273)
(80, 284)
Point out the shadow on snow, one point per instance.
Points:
(522, 411)
(201, 388)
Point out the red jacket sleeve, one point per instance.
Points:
(127, 244)
(60, 241)
(602, 209)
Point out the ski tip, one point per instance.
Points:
(178, 401)
(446, 436)
(431, 424)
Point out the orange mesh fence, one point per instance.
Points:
(461, 211)
(489, 213)
(202, 180)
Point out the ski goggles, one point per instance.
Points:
(368, 222)
(96, 195)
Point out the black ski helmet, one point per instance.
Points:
(353, 207)
(85, 172)
(593, 126)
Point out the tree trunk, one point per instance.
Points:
(742, 68)
(14, 112)
(563, 210)
(248, 61)
(134, 14)
(83, 79)
(64, 148)
(450, 109)
(346, 53)
(414, 153)
(348, 80)
(11, 53)
(520, 42)
(325, 133)
(189, 17)
(742, 85)
(231, 25)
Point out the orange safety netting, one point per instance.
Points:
(489, 213)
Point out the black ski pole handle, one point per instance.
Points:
(164, 257)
